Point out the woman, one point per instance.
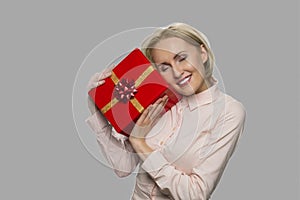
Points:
(182, 153)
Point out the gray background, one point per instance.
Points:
(43, 44)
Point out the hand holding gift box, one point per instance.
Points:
(133, 85)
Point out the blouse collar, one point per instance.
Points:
(205, 97)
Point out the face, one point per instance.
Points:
(181, 65)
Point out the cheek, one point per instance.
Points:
(200, 69)
(198, 78)
(168, 77)
(197, 73)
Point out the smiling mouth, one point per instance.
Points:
(185, 81)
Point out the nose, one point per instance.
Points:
(177, 71)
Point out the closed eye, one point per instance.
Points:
(163, 67)
(181, 57)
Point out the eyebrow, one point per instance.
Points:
(175, 56)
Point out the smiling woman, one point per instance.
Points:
(182, 153)
(181, 64)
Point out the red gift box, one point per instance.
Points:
(132, 87)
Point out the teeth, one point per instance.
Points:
(184, 81)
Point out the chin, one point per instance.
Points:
(188, 93)
(185, 92)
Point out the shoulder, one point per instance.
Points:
(234, 110)
(235, 107)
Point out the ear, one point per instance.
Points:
(203, 52)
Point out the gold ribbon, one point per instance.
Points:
(134, 101)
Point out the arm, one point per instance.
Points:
(119, 154)
(201, 182)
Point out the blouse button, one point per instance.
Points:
(161, 143)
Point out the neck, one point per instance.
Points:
(207, 83)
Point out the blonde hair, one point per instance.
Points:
(188, 34)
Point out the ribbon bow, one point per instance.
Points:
(124, 90)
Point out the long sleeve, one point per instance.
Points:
(201, 182)
(119, 154)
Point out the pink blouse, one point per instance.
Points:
(192, 144)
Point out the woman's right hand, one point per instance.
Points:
(96, 80)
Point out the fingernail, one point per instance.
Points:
(101, 82)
